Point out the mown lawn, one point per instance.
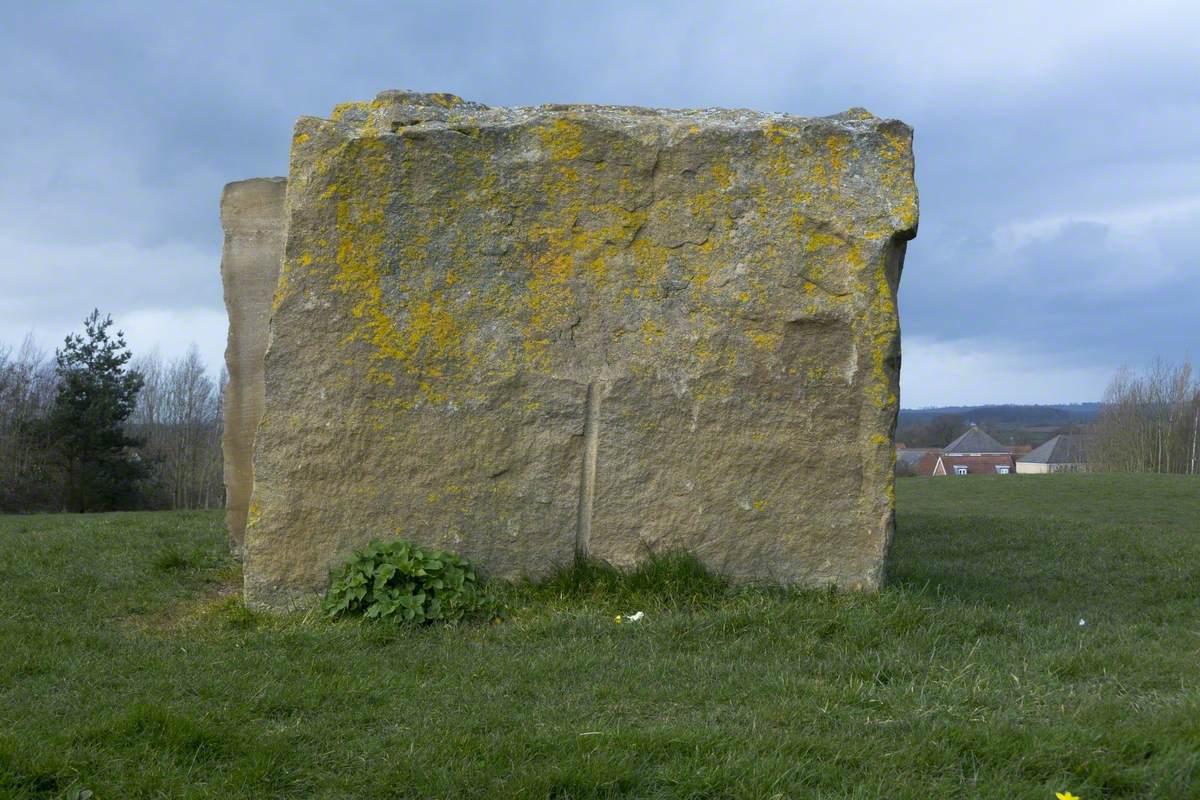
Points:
(128, 669)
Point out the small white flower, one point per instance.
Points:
(1082, 622)
(636, 617)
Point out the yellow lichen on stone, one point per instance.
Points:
(837, 149)
(446, 100)
(342, 109)
(526, 327)
(779, 165)
(563, 139)
(652, 332)
(764, 340)
(281, 287)
(429, 344)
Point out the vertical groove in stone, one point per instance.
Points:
(587, 483)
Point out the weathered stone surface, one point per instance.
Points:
(253, 220)
(519, 333)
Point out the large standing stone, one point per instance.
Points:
(253, 220)
(519, 334)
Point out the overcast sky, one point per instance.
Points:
(1058, 150)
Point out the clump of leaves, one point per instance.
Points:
(401, 582)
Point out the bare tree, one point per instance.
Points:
(1149, 422)
(179, 419)
(27, 390)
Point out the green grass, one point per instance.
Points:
(127, 668)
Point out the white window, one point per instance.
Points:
(960, 470)
(1001, 469)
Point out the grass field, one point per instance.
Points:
(127, 668)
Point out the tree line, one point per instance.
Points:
(1149, 422)
(91, 428)
(938, 431)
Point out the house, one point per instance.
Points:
(1066, 452)
(975, 453)
(916, 460)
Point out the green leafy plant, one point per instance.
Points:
(401, 582)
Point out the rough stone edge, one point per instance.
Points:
(234, 225)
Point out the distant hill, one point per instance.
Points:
(1011, 424)
(1065, 414)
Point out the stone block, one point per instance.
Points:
(525, 333)
(252, 217)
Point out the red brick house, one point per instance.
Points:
(975, 453)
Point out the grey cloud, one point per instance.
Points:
(125, 123)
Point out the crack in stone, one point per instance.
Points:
(587, 482)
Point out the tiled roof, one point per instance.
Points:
(975, 441)
(1066, 448)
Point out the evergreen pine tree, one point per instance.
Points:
(96, 394)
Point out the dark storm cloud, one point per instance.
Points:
(1056, 149)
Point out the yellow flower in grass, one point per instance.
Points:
(1066, 796)
(617, 619)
